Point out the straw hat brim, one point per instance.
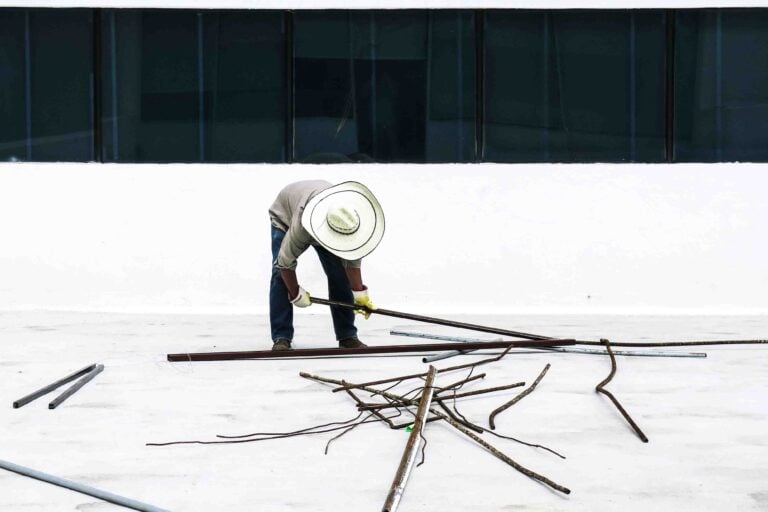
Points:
(351, 246)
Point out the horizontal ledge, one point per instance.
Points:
(401, 4)
(381, 349)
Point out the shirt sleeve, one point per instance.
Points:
(351, 263)
(294, 244)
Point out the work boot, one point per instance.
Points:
(281, 344)
(351, 342)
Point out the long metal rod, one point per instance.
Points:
(74, 388)
(81, 488)
(431, 320)
(421, 347)
(50, 387)
(574, 350)
(412, 446)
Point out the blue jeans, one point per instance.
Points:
(281, 309)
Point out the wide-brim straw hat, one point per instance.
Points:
(354, 200)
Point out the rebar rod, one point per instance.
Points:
(431, 320)
(440, 370)
(575, 350)
(373, 411)
(50, 387)
(676, 343)
(460, 382)
(74, 388)
(519, 397)
(382, 349)
(458, 426)
(450, 413)
(485, 390)
(412, 446)
(600, 389)
(81, 488)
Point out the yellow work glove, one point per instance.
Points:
(302, 299)
(362, 299)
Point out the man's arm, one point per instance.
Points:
(291, 282)
(355, 279)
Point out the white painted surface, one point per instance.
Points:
(460, 238)
(390, 4)
(707, 420)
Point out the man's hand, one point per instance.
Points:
(302, 299)
(362, 299)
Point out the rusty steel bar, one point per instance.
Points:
(441, 370)
(519, 397)
(76, 387)
(481, 391)
(431, 320)
(412, 446)
(600, 388)
(382, 349)
(50, 387)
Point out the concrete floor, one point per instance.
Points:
(707, 419)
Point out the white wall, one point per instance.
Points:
(495, 238)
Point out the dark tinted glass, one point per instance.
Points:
(721, 85)
(574, 86)
(384, 86)
(185, 86)
(46, 64)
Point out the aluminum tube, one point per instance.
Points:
(50, 387)
(412, 447)
(81, 488)
(573, 350)
(75, 387)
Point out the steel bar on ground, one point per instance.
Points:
(382, 349)
(482, 391)
(458, 426)
(50, 387)
(411, 447)
(431, 320)
(600, 389)
(441, 370)
(76, 387)
(701, 343)
(575, 350)
(81, 488)
(519, 397)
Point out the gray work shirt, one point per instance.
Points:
(285, 214)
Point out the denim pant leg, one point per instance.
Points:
(340, 290)
(280, 307)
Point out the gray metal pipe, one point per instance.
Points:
(571, 350)
(412, 447)
(81, 488)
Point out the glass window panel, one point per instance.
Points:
(186, 86)
(721, 85)
(574, 86)
(46, 87)
(384, 86)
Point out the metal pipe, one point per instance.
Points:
(50, 387)
(574, 350)
(81, 488)
(431, 320)
(265, 354)
(76, 387)
(412, 446)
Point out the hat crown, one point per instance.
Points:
(343, 219)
